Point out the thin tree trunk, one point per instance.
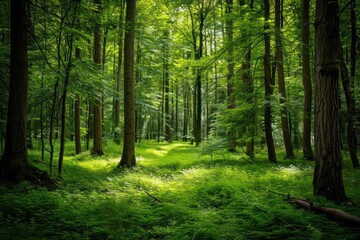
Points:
(64, 94)
(230, 77)
(97, 106)
(352, 138)
(77, 113)
(281, 81)
(248, 84)
(119, 76)
(327, 180)
(306, 138)
(268, 88)
(350, 113)
(168, 132)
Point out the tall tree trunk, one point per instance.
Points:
(349, 93)
(248, 88)
(198, 37)
(77, 113)
(14, 164)
(230, 77)
(268, 88)
(119, 76)
(327, 180)
(186, 93)
(348, 87)
(306, 138)
(128, 154)
(168, 132)
(97, 106)
(281, 81)
(65, 87)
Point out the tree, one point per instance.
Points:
(248, 89)
(128, 154)
(327, 180)
(97, 123)
(68, 67)
(119, 75)
(349, 88)
(14, 164)
(306, 138)
(231, 65)
(203, 9)
(269, 83)
(281, 81)
(166, 79)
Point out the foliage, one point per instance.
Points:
(200, 198)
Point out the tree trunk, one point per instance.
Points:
(77, 113)
(281, 81)
(119, 76)
(168, 132)
(14, 164)
(268, 88)
(97, 106)
(128, 154)
(64, 94)
(248, 89)
(352, 139)
(77, 125)
(230, 77)
(351, 112)
(306, 138)
(327, 180)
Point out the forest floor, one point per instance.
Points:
(174, 192)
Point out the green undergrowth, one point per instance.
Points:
(174, 192)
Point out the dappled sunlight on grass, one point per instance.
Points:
(174, 192)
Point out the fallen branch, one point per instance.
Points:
(152, 196)
(332, 213)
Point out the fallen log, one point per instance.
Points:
(332, 213)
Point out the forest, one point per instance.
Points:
(182, 119)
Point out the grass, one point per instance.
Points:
(174, 192)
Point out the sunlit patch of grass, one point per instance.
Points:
(174, 192)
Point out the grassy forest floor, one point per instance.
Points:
(174, 192)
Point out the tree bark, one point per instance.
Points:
(268, 88)
(14, 164)
(119, 76)
(97, 106)
(306, 138)
(281, 81)
(327, 179)
(128, 154)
